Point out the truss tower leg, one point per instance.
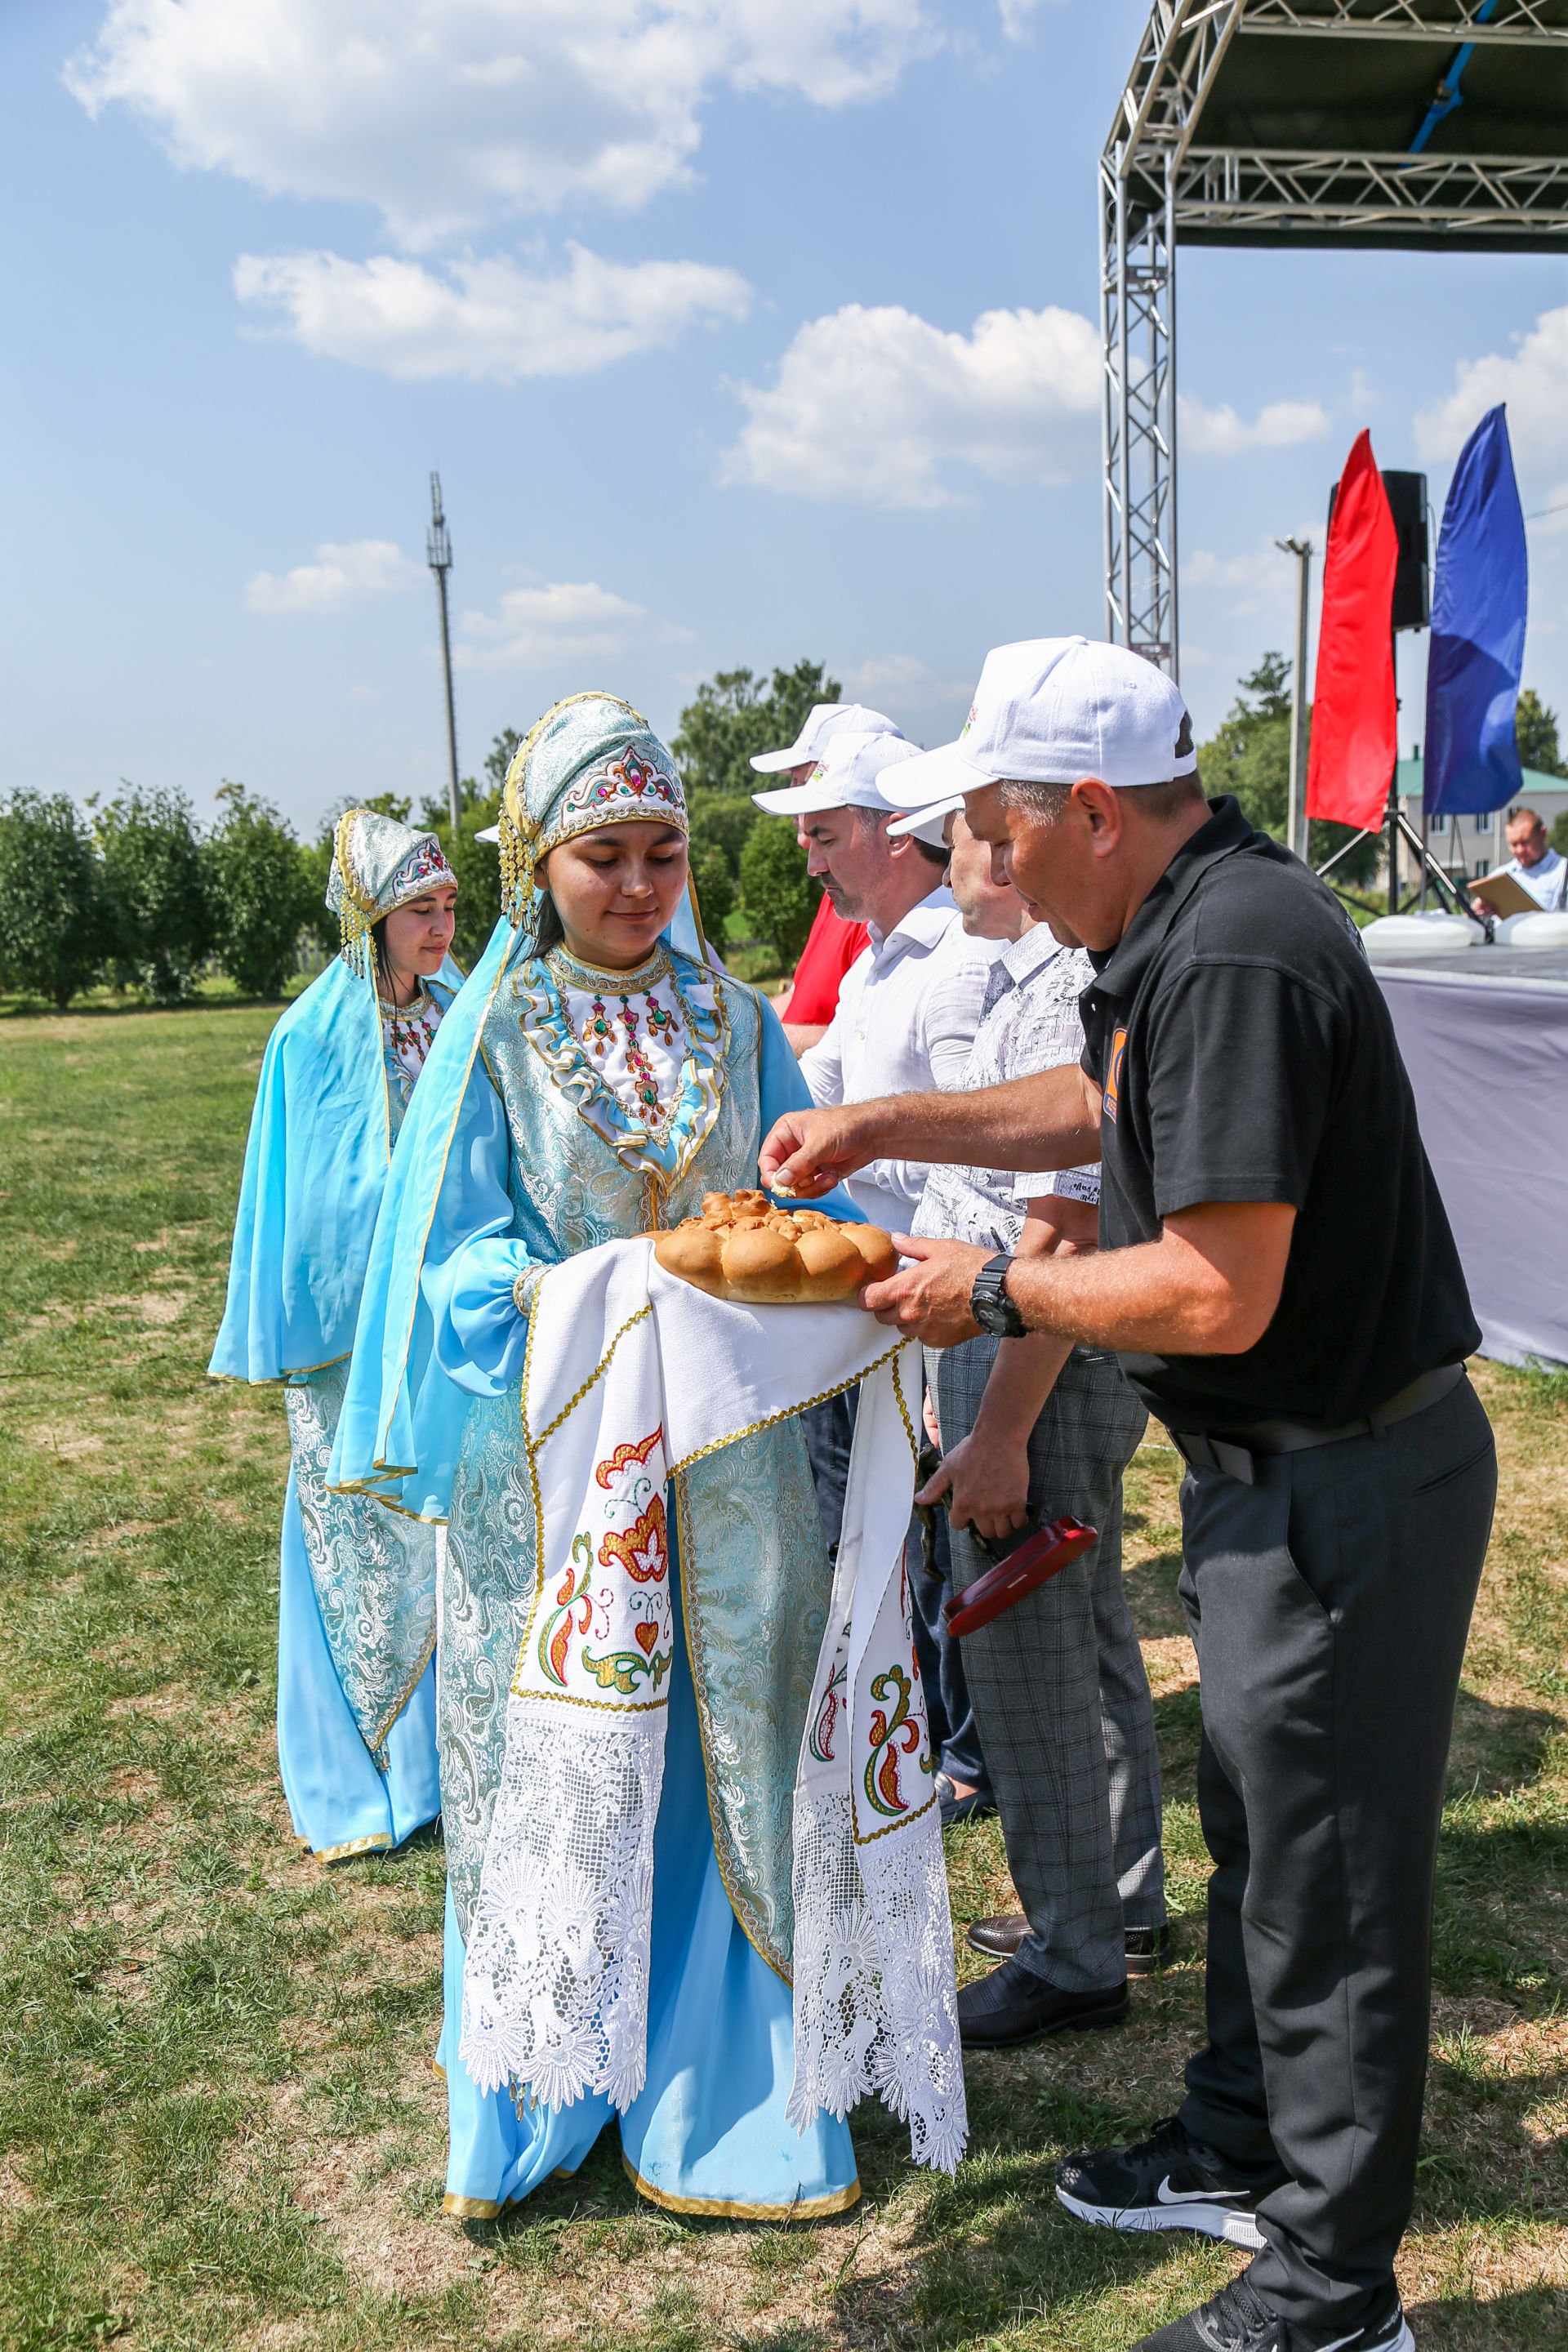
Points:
(1138, 320)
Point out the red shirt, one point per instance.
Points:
(831, 947)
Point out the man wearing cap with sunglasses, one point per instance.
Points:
(832, 944)
(907, 1014)
(1277, 1276)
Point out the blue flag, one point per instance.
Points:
(1478, 603)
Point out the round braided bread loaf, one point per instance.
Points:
(743, 1248)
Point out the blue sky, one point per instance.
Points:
(738, 330)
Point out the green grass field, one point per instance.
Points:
(219, 2122)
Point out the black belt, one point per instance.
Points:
(1233, 1455)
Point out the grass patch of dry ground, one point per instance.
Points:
(217, 2122)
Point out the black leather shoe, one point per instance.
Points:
(999, 1938)
(1013, 2004)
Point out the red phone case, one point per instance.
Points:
(1038, 1558)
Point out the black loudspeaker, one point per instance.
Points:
(1413, 581)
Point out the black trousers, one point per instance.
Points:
(1329, 1604)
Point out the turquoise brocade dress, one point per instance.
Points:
(356, 1610)
(600, 1105)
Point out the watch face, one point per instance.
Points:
(989, 1304)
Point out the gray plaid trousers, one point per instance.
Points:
(1061, 1697)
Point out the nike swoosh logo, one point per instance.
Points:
(1166, 2195)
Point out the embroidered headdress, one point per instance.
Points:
(591, 761)
(377, 864)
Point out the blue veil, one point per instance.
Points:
(315, 1168)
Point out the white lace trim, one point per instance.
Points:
(875, 2004)
(556, 1982)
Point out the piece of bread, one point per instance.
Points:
(743, 1248)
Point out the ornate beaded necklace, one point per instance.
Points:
(412, 1026)
(604, 1026)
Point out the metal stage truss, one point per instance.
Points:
(1432, 124)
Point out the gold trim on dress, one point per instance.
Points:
(736, 2209)
(378, 1745)
(378, 1841)
(284, 1380)
(470, 2209)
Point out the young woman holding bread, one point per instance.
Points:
(602, 1082)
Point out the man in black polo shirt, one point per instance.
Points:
(1277, 1273)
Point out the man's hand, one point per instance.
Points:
(986, 1484)
(929, 1300)
(809, 1152)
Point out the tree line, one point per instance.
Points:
(133, 893)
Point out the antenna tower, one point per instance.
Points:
(439, 556)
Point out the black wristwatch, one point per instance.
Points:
(990, 1305)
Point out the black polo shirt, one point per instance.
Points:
(1243, 1051)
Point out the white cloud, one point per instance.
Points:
(565, 620)
(1221, 433)
(893, 675)
(1018, 17)
(340, 576)
(1531, 379)
(450, 114)
(1259, 579)
(870, 403)
(485, 319)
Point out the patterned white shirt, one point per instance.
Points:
(1030, 1022)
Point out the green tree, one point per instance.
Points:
(732, 714)
(714, 886)
(159, 924)
(499, 756)
(476, 864)
(51, 898)
(1535, 731)
(776, 893)
(1250, 756)
(259, 890)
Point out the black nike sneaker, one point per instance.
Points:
(1239, 2320)
(1166, 2182)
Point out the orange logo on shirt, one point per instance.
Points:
(1114, 1083)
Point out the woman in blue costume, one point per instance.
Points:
(356, 1610)
(595, 1081)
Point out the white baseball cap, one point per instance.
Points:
(824, 719)
(928, 825)
(846, 775)
(1052, 711)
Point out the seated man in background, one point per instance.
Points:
(1533, 864)
(1033, 1426)
(832, 943)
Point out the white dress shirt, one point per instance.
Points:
(1030, 1022)
(907, 1010)
(1545, 880)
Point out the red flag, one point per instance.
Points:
(1356, 718)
